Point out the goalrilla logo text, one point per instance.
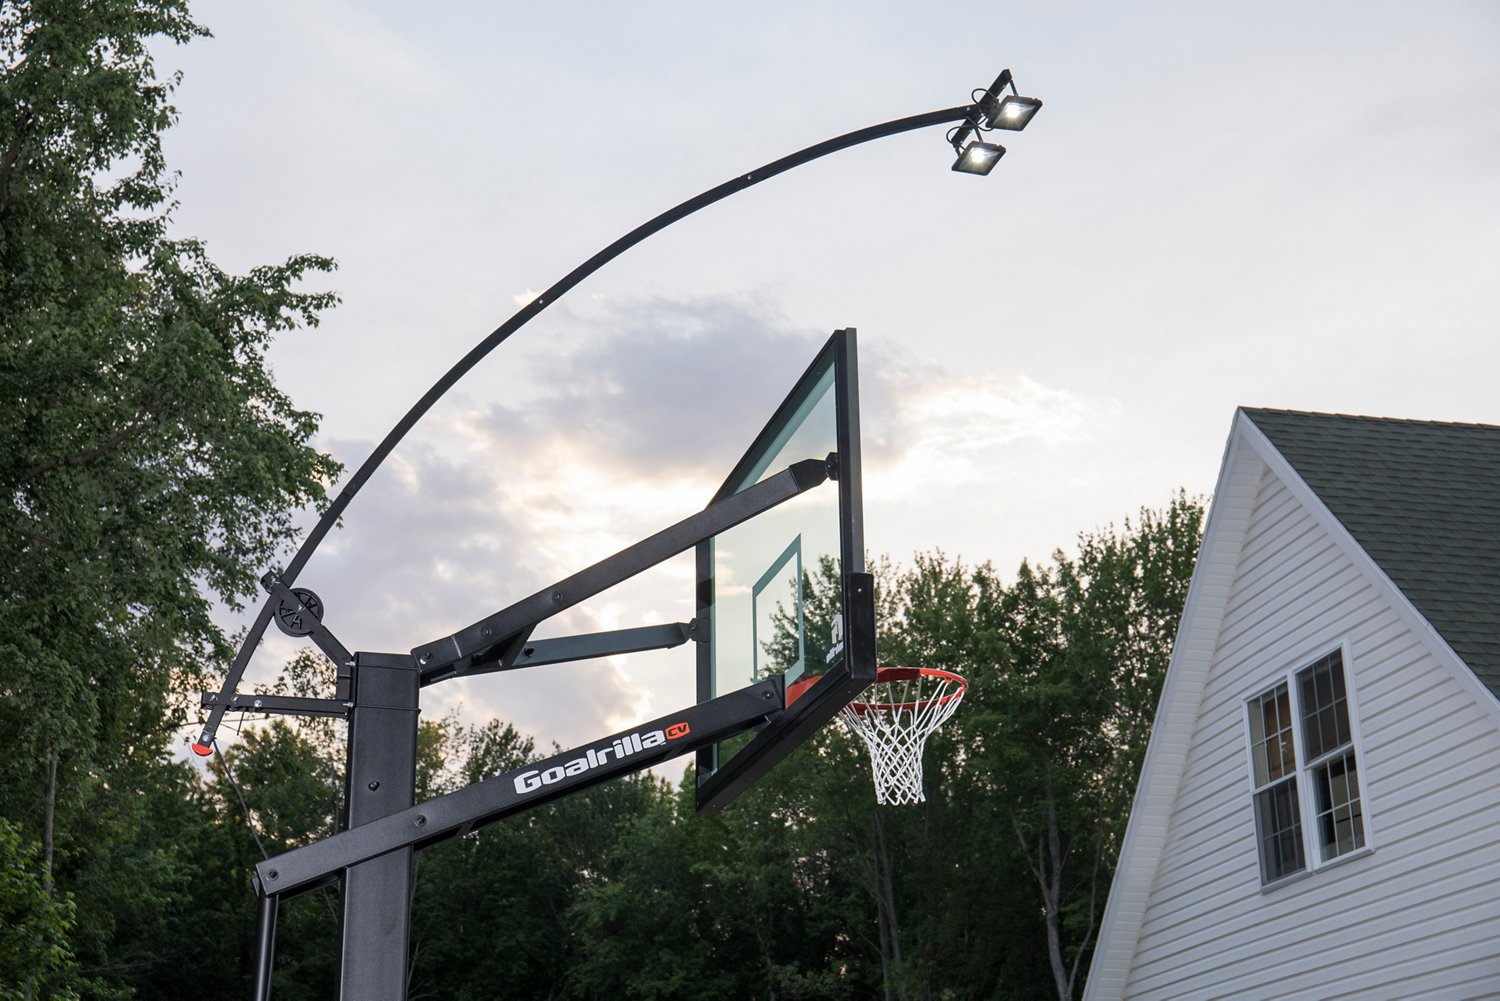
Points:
(623, 747)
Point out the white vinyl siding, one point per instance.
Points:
(1419, 916)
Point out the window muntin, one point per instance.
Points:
(1314, 703)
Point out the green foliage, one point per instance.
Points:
(149, 468)
(148, 461)
(34, 924)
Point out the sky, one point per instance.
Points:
(1280, 204)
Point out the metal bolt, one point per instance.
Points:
(485, 631)
(557, 596)
(235, 697)
(421, 821)
(766, 696)
(258, 703)
(273, 874)
(374, 784)
(213, 696)
(349, 662)
(425, 657)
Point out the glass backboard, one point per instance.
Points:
(775, 593)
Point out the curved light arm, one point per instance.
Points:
(964, 113)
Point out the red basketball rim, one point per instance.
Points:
(909, 674)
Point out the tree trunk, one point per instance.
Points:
(1052, 895)
(885, 950)
(49, 813)
(1047, 866)
(885, 908)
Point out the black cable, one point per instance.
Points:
(241, 797)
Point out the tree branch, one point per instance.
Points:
(131, 429)
(12, 154)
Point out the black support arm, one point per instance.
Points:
(500, 638)
(521, 789)
(587, 646)
(283, 704)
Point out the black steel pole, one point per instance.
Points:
(375, 931)
(967, 112)
(265, 945)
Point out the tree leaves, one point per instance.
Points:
(149, 466)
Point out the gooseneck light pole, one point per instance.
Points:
(382, 707)
(983, 114)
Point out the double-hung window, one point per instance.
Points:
(1303, 765)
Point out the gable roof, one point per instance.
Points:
(1422, 498)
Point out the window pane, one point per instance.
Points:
(1325, 706)
(1271, 751)
(1340, 822)
(1279, 830)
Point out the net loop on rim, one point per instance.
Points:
(894, 717)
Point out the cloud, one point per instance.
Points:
(930, 425)
(659, 387)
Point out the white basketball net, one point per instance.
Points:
(894, 716)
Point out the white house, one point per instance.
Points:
(1318, 814)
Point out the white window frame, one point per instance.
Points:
(1312, 853)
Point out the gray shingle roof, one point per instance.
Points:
(1423, 499)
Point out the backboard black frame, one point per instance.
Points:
(719, 782)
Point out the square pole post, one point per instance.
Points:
(375, 935)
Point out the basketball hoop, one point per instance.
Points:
(895, 716)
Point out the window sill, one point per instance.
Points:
(1298, 877)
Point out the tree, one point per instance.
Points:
(149, 465)
(1088, 641)
(34, 924)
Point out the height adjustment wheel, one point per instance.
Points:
(301, 616)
